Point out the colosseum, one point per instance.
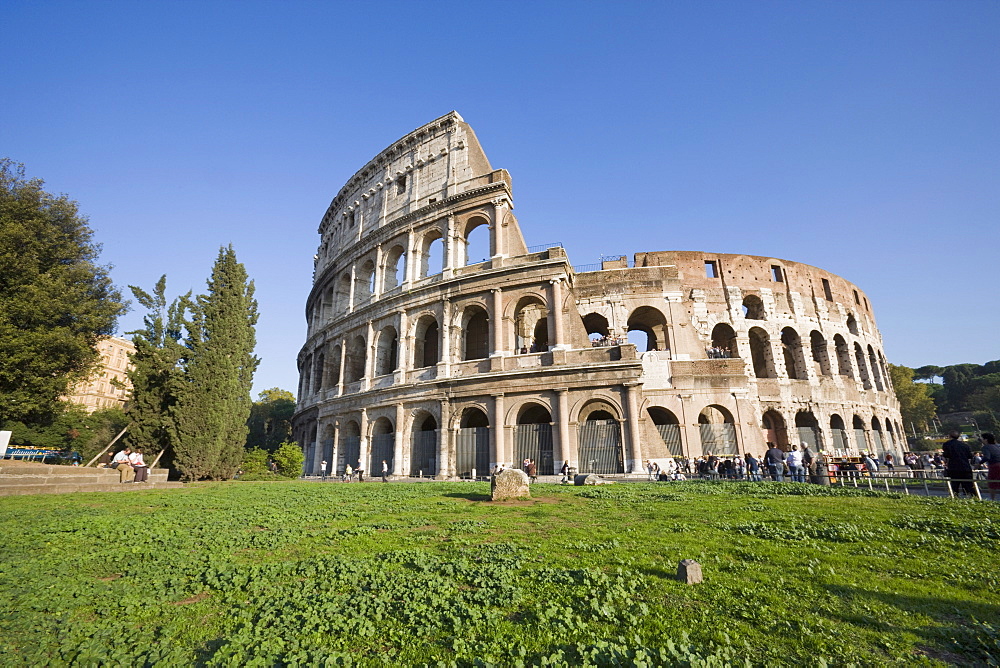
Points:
(444, 364)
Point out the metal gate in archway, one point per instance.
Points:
(350, 452)
(472, 451)
(534, 441)
(810, 436)
(601, 447)
(423, 460)
(671, 435)
(719, 439)
(383, 447)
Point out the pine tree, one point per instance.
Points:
(213, 401)
(156, 371)
(55, 300)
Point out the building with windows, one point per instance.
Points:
(108, 386)
(442, 364)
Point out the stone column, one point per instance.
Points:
(449, 247)
(403, 361)
(369, 358)
(317, 452)
(498, 431)
(444, 364)
(354, 288)
(408, 269)
(363, 456)
(444, 442)
(398, 465)
(379, 273)
(557, 340)
(634, 465)
(496, 322)
(563, 450)
(343, 360)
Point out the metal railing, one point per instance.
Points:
(538, 248)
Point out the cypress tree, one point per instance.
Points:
(156, 372)
(213, 401)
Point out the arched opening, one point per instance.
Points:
(820, 354)
(774, 429)
(318, 371)
(431, 254)
(653, 324)
(531, 334)
(669, 429)
(355, 359)
(723, 342)
(760, 353)
(343, 294)
(476, 246)
(425, 342)
(718, 432)
(475, 333)
(600, 440)
(364, 283)
(386, 351)
(305, 387)
(349, 453)
(472, 444)
(328, 299)
(808, 429)
(423, 460)
(753, 308)
(859, 357)
(333, 367)
(838, 433)
(886, 376)
(383, 445)
(860, 441)
(326, 446)
(533, 437)
(852, 324)
(393, 268)
(843, 357)
(878, 443)
(791, 346)
(876, 371)
(597, 329)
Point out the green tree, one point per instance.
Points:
(270, 422)
(71, 427)
(156, 371)
(289, 459)
(55, 300)
(915, 404)
(213, 401)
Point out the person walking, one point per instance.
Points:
(991, 457)
(360, 468)
(794, 461)
(774, 459)
(347, 474)
(565, 471)
(531, 470)
(958, 465)
(385, 471)
(322, 469)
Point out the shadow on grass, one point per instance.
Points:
(953, 639)
(469, 496)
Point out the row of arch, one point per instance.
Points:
(871, 368)
(753, 309)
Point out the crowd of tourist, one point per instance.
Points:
(719, 352)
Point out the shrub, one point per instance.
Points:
(289, 459)
(255, 461)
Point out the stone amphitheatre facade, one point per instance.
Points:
(440, 366)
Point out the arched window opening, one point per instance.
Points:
(843, 357)
(753, 308)
(318, 371)
(760, 353)
(774, 429)
(472, 418)
(306, 385)
(333, 367)
(343, 294)
(859, 357)
(860, 440)
(852, 324)
(383, 444)
(355, 361)
(432, 254)
(820, 354)
(386, 351)
(808, 429)
(838, 432)
(393, 268)
(653, 324)
(364, 283)
(597, 329)
(475, 334)
(718, 431)
(534, 414)
(791, 346)
(668, 427)
(876, 369)
(886, 376)
(423, 459)
(328, 300)
(476, 246)
(425, 342)
(531, 329)
(878, 441)
(723, 342)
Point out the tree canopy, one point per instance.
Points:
(270, 422)
(56, 301)
(915, 402)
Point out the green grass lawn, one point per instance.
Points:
(294, 573)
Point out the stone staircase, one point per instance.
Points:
(18, 477)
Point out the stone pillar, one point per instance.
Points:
(498, 432)
(563, 450)
(398, 465)
(317, 452)
(403, 346)
(354, 288)
(445, 363)
(369, 358)
(379, 273)
(498, 241)
(496, 322)
(408, 269)
(557, 340)
(363, 455)
(449, 247)
(343, 360)
(634, 465)
(444, 442)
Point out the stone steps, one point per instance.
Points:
(33, 478)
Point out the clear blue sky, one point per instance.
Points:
(861, 137)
